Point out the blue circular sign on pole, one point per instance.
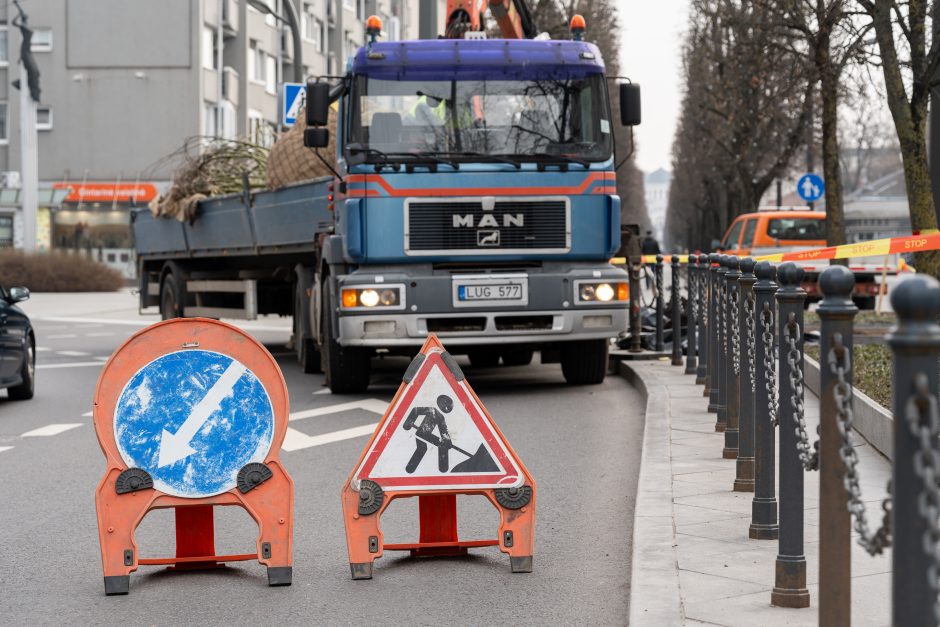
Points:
(811, 187)
(193, 419)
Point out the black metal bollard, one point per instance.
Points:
(790, 581)
(711, 385)
(691, 315)
(660, 304)
(915, 343)
(701, 283)
(744, 470)
(836, 314)
(732, 362)
(764, 506)
(635, 325)
(676, 314)
(721, 335)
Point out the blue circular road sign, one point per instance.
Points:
(193, 419)
(811, 187)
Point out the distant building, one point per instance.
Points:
(124, 82)
(877, 210)
(656, 187)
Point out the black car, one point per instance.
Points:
(17, 346)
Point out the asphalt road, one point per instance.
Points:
(582, 445)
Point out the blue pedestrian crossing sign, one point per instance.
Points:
(293, 99)
(192, 419)
(810, 187)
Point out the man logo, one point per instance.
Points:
(487, 238)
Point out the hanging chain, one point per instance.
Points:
(809, 455)
(659, 281)
(770, 367)
(840, 364)
(692, 290)
(723, 318)
(735, 333)
(923, 423)
(749, 308)
(703, 297)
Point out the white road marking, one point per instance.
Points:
(77, 364)
(294, 440)
(54, 429)
(42, 349)
(60, 336)
(102, 358)
(87, 414)
(99, 334)
(373, 405)
(5, 448)
(73, 353)
(89, 326)
(323, 391)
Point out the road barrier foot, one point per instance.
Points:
(521, 564)
(729, 453)
(118, 584)
(361, 571)
(763, 532)
(280, 575)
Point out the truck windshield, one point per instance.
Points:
(566, 120)
(803, 229)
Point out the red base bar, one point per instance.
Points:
(208, 560)
(439, 549)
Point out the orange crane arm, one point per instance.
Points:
(513, 18)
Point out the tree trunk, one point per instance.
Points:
(832, 172)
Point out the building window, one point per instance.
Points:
(4, 124)
(270, 74)
(42, 40)
(210, 129)
(6, 231)
(350, 4)
(260, 130)
(44, 118)
(209, 49)
(4, 47)
(256, 63)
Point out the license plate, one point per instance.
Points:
(490, 291)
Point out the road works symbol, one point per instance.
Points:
(436, 441)
(435, 409)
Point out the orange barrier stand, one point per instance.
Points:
(191, 414)
(435, 406)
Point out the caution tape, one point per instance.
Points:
(929, 240)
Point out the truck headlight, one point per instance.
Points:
(371, 297)
(601, 292)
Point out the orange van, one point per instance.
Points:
(765, 232)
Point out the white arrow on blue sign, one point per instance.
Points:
(293, 97)
(810, 187)
(192, 419)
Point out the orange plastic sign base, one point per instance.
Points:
(173, 438)
(435, 441)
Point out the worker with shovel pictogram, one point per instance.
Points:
(481, 461)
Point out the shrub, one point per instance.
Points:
(56, 272)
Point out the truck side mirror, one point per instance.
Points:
(630, 111)
(318, 103)
(316, 137)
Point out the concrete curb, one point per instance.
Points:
(655, 599)
(872, 421)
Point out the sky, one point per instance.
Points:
(651, 42)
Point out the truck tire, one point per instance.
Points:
(347, 369)
(518, 357)
(485, 357)
(865, 302)
(171, 298)
(307, 354)
(584, 362)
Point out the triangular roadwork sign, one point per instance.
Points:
(436, 435)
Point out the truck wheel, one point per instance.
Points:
(518, 357)
(347, 369)
(865, 302)
(170, 298)
(584, 362)
(307, 354)
(483, 357)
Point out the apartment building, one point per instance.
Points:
(125, 82)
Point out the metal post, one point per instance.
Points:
(790, 582)
(701, 282)
(721, 320)
(732, 364)
(744, 470)
(635, 328)
(676, 314)
(691, 314)
(764, 506)
(660, 304)
(836, 315)
(711, 384)
(915, 343)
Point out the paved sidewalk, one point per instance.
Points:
(693, 561)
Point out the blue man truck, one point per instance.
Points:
(473, 196)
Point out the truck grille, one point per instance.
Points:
(487, 226)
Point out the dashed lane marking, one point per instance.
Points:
(48, 430)
(73, 353)
(5, 448)
(294, 440)
(373, 405)
(76, 364)
(99, 334)
(42, 349)
(323, 391)
(87, 414)
(60, 336)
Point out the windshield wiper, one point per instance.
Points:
(388, 158)
(485, 156)
(545, 159)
